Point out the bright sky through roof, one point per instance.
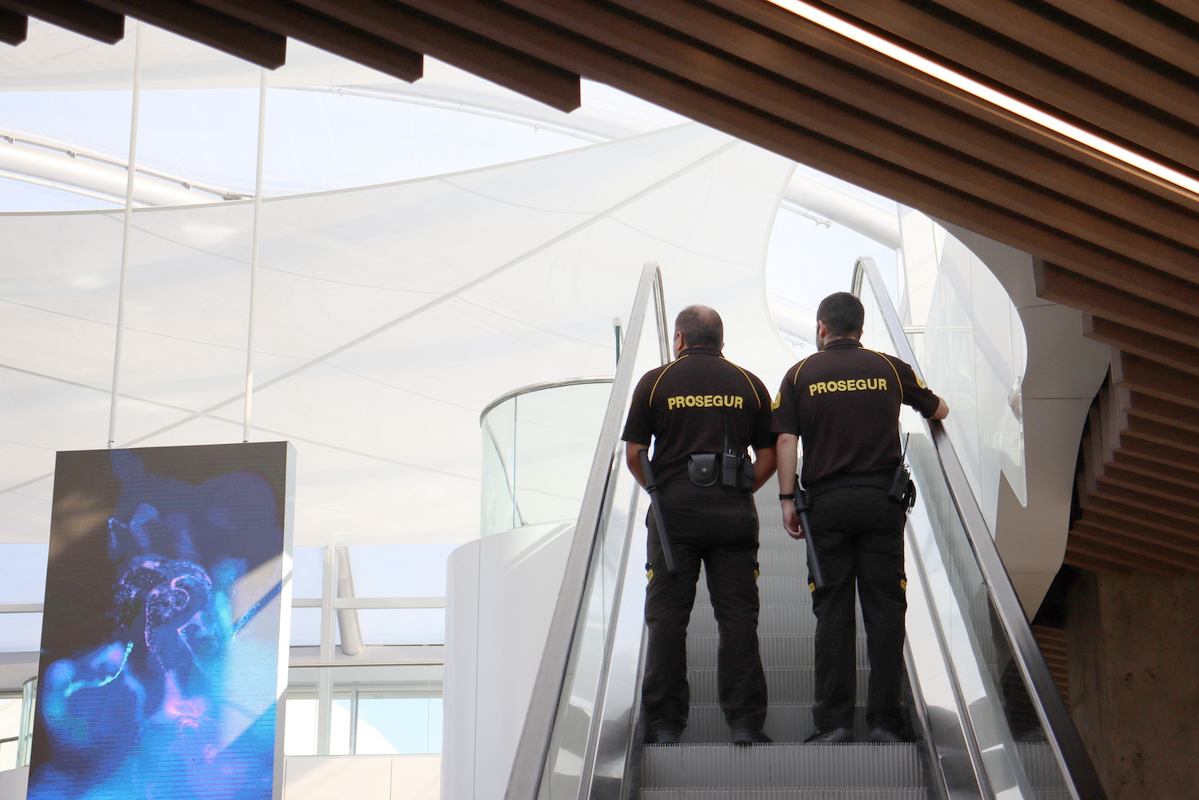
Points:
(979, 90)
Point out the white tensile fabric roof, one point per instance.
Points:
(387, 318)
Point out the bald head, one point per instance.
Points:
(700, 326)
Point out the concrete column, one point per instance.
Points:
(1132, 642)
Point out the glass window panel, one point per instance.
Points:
(20, 633)
(307, 571)
(10, 717)
(8, 754)
(400, 570)
(23, 573)
(305, 627)
(390, 724)
(339, 724)
(403, 625)
(299, 726)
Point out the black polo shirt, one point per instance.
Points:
(685, 406)
(843, 402)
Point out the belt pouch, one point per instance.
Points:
(899, 484)
(745, 479)
(701, 469)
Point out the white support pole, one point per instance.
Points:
(131, 174)
(324, 686)
(245, 432)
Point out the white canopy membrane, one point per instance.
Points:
(388, 317)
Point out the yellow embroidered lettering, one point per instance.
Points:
(690, 401)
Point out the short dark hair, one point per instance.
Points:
(700, 326)
(842, 313)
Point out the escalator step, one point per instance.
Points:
(786, 684)
(773, 618)
(905, 793)
(782, 766)
(785, 723)
(783, 590)
(777, 650)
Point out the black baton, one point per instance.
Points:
(801, 508)
(652, 489)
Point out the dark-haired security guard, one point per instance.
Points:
(844, 401)
(695, 409)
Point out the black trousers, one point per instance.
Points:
(858, 536)
(719, 527)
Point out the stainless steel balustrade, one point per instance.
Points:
(998, 672)
(578, 732)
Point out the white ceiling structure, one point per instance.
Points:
(387, 316)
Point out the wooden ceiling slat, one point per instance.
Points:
(1099, 565)
(544, 82)
(1152, 431)
(1188, 9)
(1081, 543)
(1151, 451)
(1083, 54)
(303, 24)
(1141, 343)
(1088, 562)
(1114, 507)
(1014, 154)
(1188, 479)
(84, 18)
(218, 31)
(14, 27)
(1155, 380)
(859, 130)
(1121, 115)
(1101, 524)
(1176, 509)
(1155, 408)
(1161, 484)
(1065, 287)
(1137, 29)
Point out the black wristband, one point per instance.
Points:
(787, 496)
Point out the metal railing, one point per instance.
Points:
(978, 588)
(580, 717)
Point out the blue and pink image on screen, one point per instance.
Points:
(160, 661)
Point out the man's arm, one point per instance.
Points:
(633, 461)
(786, 457)
(942, 409)
(764, 461)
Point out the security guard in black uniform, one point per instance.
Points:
(844, 401)
(701, 410)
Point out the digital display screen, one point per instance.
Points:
(163, 644)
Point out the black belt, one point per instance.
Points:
(866, 480)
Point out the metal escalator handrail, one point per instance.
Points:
(528, 765)
(1064, 740)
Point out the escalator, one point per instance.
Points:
(986, 718)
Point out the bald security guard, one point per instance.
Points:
(844, 401)
(695, 409)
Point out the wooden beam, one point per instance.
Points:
(303, 24)
(14, 27)
(1084, 55)
(521, 72)
(1163, 433)
(1081, 541)
(1170, 488)
(1018, 148)
(1084, 561)
(1138, 342)
(77, 16)
(1187, 513)
(1154, 408)
(1120, 535)
(1172, 458)
(1139, 375)
(1155, 470)
(218, 31)
(1009, 69)
(1137, 28)
(1143, 520)
(1070, 289)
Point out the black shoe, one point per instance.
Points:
(664, 736)
(834, 736)
(750, 736)
(884, 736)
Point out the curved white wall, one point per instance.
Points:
(500, 595)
